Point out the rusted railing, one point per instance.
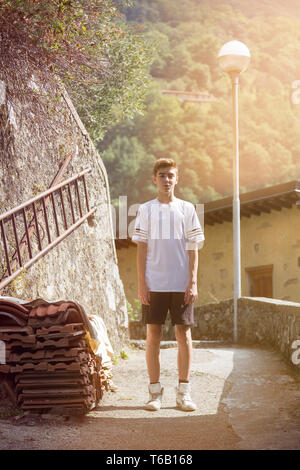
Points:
(50, 227)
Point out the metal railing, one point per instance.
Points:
(50, 227)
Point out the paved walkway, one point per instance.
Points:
(248, 398)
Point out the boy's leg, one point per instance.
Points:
(185, 351)
(154, 316)
(183, 317)
(184, 359)
(154, 333)
(153, 364)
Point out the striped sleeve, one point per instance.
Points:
(194, 234)
(140, 231)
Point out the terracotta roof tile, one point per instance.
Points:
(12, 312)
(15, 305)
(51, 355)
(49, 310)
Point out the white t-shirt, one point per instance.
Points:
(169, 230)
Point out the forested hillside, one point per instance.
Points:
(188, 35)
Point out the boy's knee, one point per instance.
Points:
(183, 333)
(154, 333)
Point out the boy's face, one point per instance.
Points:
(166, 179)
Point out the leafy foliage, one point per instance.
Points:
(199, 136)
(103, 63)
(135, 310)
(122, 92)
(64, 35)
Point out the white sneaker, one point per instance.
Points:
(155, 397)
(183, 397)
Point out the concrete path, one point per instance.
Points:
(248, 398)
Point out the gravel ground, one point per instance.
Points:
(247, 398)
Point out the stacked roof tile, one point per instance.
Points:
(50, 359)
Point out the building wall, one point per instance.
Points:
(272, 238)
(267, 239)
(275, 239)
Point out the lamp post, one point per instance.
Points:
(234, 57)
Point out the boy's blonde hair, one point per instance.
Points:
(164, 163)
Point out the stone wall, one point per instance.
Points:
(270, 322)
(213, 321)
(267, 322)
(83, 267)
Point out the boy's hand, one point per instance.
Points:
(144, 293)
(191, 293)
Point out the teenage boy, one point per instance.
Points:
(168, 235)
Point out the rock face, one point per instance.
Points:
(83, 267)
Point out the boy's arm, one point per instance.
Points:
(191, 292)
(143, 291)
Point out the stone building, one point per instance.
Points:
(270, 248)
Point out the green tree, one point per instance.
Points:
(127, 164)
(199, 137)
(103, 62)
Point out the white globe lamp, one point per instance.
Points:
(234, 57)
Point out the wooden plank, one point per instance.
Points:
(56, 401)
(46, 382)
(82, 409)
(52, 374)
(56, 393)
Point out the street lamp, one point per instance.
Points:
(234, 57)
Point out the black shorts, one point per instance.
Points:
(161, 303)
